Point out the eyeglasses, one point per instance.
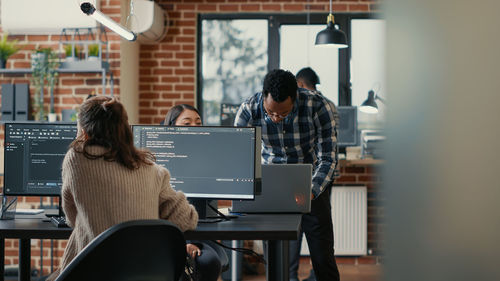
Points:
(275, 115)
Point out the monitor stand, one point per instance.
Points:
(59, 207)
(205, 213)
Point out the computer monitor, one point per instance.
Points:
(206, 162)
(33, 156)
(347, 129)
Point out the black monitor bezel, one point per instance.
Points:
(5, 159)
(257, 180)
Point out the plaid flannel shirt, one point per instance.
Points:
(307, 135)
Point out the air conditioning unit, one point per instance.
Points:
(149, 21)
(42, 17)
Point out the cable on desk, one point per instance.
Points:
(244, 251)
(221, 215)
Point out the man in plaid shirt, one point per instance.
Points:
(298, 126)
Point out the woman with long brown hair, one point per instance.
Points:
(106, 180)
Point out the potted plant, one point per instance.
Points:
(7, 49)
(72, 52)
(44, 64)
(93, 53)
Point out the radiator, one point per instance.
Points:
(349, 215)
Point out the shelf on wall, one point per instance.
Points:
(60, 70)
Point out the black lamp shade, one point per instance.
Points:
(369, 105)
(332, 36)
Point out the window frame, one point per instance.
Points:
(273, 46)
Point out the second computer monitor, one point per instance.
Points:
(33, 156)
(206, 162)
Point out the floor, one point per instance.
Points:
(348, 272)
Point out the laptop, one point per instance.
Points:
(286, 188)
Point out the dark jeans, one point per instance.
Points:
(318, 229)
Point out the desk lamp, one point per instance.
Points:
(370, 105)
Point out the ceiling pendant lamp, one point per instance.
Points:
(331, 36)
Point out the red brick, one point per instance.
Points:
(344, 178)
(186, 23)
(171, 96)
(184, 71)
(187, 63)
(355, 170)
(188, 31)
(185, 7)
(228, 8)
(150, 96)
(150, 79)
(163, 71)
(162, 103)
(148, 63)
(271, 7)
(250, 7)
(167, 55)
(293, 7)
(367, 178)
(34, 38)
(22, 65)
(150, 47)
(339, 8)
(358, 7)
(170, 47)
(188, 79)
(162, 87)
(145, 120)
(185, 39)
(184, 88)
(174, 79)
(170, 63)
(207, 7)
(188, 47)
(148, 111)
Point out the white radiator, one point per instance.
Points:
(349, 215)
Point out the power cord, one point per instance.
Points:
(221, 215)
(244, 251)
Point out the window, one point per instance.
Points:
(297, 50)
(234, 61)
(368, 67)
(236, 51)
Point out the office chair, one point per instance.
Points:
(146, 250)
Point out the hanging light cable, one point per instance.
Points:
(331, 36)
(90, 10)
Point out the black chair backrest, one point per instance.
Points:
(146, 250)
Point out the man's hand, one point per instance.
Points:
(193, 250)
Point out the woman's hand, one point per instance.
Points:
(193, 250)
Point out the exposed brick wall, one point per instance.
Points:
(168, 69)
(79, 84)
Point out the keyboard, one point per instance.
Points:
(59, 221)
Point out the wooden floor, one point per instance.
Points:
(348, 272)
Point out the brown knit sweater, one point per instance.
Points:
(98, 194)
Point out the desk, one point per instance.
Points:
(277, 229)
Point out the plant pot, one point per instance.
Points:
(52, 117)
(71, 58)
(93, 58)
(3, 63)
